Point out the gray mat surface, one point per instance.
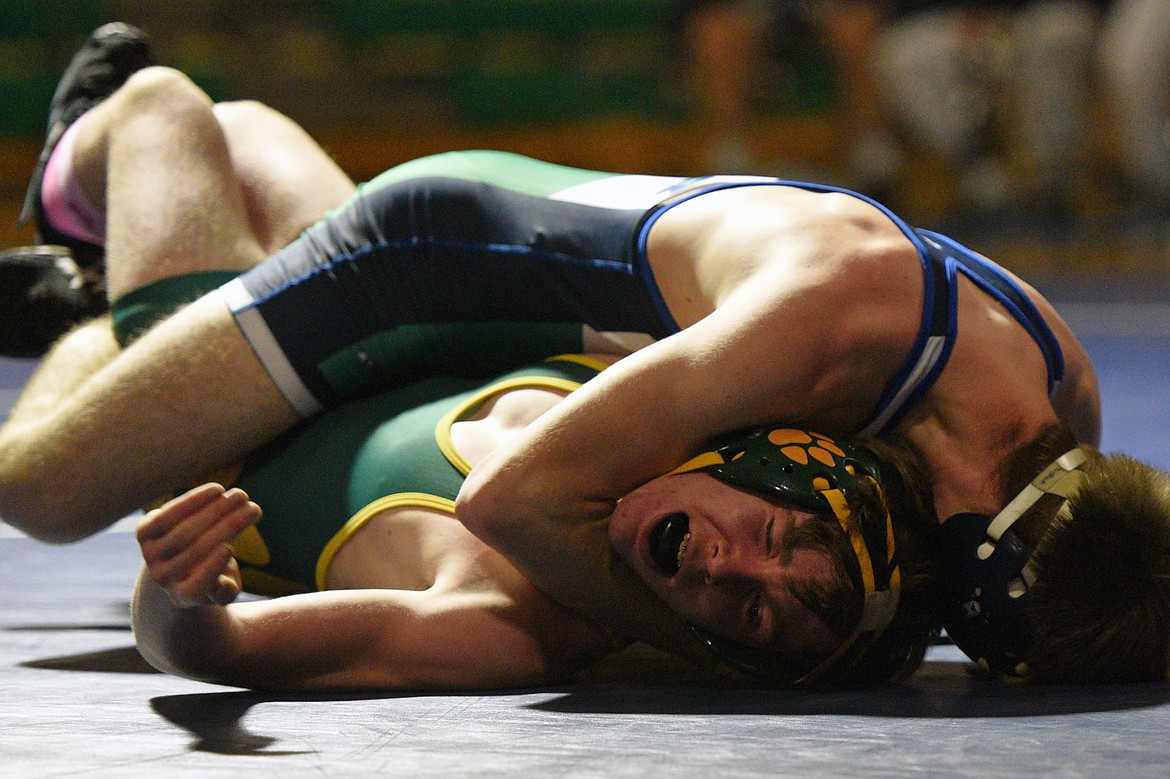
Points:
(78, 701)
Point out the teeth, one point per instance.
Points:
(682, 548)
(668, 541)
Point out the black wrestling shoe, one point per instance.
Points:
(111, 55)
(43, 294)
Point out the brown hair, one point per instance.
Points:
(907, 489)
(906, 492)
(1100, 605)
(1102, 594)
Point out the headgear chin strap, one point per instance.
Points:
(989, 572)
(813, 472)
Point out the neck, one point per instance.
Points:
(966, 460)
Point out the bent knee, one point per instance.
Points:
(161, 87)
(40, 522)
(31, 501)
(244, 113)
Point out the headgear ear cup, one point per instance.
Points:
(984, 614)
(988, 574)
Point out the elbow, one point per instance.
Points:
(490, 509)
(473, 505)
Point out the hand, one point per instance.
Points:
(186, 544)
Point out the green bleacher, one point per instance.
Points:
(479, 61)
(516, 59)
(36, 40)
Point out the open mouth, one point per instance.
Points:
(668, 542)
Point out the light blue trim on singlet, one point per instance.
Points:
(942, 259)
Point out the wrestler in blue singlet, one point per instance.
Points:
(320, 482)
(476, 262)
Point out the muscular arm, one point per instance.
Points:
(773, 353)
(186, 623)
(340, 640)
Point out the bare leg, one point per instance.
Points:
(268, 177)
(172, 201)
(287, 182)
(189, 396)
(75, 357)
(287, 179)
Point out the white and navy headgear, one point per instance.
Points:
(989, 572)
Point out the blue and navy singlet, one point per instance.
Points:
(477, 262)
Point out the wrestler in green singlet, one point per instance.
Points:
(321, 481)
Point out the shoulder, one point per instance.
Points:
(832, 237)
(1077, 401)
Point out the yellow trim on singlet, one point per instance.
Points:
(423, 500)
(443, 428)
(417, 500)
(581, 359)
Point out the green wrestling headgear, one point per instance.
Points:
(810, 471)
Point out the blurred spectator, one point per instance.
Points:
(1135, 67)
(850, 29)
(726, 44)
(722, 43)
(954, 69)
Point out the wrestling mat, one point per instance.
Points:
(76, 699)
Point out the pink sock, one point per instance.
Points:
(66, 206)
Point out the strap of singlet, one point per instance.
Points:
(932, 347)
(939, 324)
(995, 282)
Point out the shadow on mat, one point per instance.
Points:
(121, 660)
(214, 719)
(120, 627)
(938, 690)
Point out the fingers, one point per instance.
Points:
(206, 514)
(161, 521)
(186, 545)
(229, 584)
(200, 584)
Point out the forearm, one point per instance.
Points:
(573, 562)
(210, 644)
(544, 500)
(186, 617)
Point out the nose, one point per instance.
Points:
(726, 564)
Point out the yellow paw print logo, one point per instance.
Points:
(802, 447)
